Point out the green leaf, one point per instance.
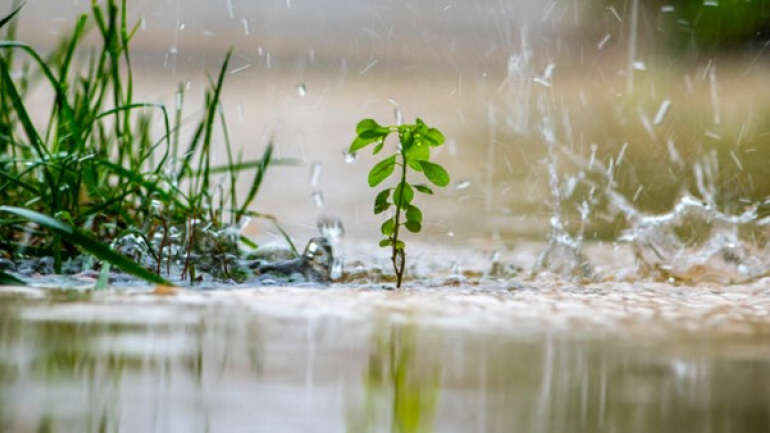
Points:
(378, 147)
(89, 244)
(413, 226)
(360, 142)
(388, 227)
(386, 243)
(418, 152)
(7, 279)
(414, 164)
(403, 194)
(368, 128)
(433, 136)
(381, 203)
(400, 245)
(423, 189)
(435, 173)
(406, 137)
(382, 170)
(413, 214)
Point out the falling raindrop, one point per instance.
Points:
(230, 10)
(350, 157)
(662, 111)
(337, 266)
(241, 68)
(368, 67)
(396, 111)
(318, 198)
(315, 173)
(331, 227)
(463, 184)
(301, 90)
(603, 42)
(182, 26)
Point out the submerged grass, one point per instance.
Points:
(96, 171)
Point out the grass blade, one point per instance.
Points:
(7, 279)
(92, 246)
(10, 16)
(260, 174)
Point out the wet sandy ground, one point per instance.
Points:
(461, 293)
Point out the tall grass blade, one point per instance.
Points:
(258, 176)
(10, 16)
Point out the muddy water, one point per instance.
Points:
(468, 353)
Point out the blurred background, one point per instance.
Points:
(646, 89)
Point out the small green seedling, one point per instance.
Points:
(414, 152)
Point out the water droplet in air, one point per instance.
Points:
(662, 110)
(331, 227)
(350, 157)
(463, 184)
(336, 271)
(182, 26)
(396, 111)
(604, 41)
(315, 173)
(318, 198)
(157, 207)
(301, 90)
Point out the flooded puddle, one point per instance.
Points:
(540, 354)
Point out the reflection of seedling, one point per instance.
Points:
(414, 150)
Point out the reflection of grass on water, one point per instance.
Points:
(400, 391)
(95, 171)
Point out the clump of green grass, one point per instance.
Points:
(96, 171)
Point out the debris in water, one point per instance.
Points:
(314, 265)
